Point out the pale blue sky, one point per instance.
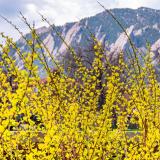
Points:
(59, 11)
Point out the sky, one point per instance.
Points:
(58, 11)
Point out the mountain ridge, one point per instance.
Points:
(142, 25)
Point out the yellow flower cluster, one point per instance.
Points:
(107, 111)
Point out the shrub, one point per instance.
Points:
(85, 116)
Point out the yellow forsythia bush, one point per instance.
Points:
(106, 111)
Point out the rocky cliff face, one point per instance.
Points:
(142, 25)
